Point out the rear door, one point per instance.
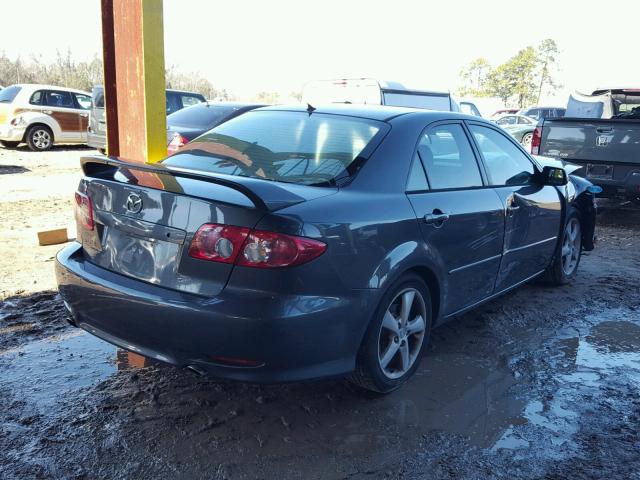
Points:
(62, 107)
(461, 218)
(533, 211)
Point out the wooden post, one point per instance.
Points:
(134, 83)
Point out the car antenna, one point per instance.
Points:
(310, 109)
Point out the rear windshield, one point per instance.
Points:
(200, 116)
(8, 94)
(293, 147)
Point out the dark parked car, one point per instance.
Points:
(292, 243)
(97, 129)
(191, 122)
(542, 112)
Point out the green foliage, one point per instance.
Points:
(474, 77)
(547, 58)
(63, 71)
(520, 80)
(194, 82)
(66, 72)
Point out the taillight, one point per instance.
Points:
(84, 211)
(269, 250)
(177, 142)
(218, 243)
(535, 141)
(252, 248)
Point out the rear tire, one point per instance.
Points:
(526, 141)
(7, 144)
(567, 258)
(39, 138)
(397, 335)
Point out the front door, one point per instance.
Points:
(461, 219)
(533, 211)
(83, 106)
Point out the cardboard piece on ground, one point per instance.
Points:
(53, 237)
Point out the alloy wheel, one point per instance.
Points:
(526, 140)
(41, 139)
(402, 333)
(571, 246)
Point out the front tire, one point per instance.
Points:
(565, 264)
(7, 144)
(395, 340)
(39, 138)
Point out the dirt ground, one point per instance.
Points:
(543, 383)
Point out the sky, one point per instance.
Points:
(250, 46)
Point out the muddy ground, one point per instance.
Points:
(542, 383)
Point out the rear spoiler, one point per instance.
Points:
(265, 195)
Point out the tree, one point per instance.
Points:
(547, 51)
(475, 77)
(520, 80)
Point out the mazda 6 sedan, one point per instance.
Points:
(295, 243)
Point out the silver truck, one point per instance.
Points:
(601, 133)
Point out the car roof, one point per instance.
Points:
(38, 86)
(372, 112)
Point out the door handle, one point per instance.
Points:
(85, 115)
(604, 130)
(47, 112)
(437, 218)
(512, 209)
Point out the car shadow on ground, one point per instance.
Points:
(55, 148)
(9, 169)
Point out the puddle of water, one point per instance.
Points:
(41, 372)
(611, 348)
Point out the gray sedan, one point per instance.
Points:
(292, 243)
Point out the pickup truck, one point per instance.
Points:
(601, 133)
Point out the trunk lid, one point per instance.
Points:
(145, 218)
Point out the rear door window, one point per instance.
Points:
(7, 95)
(448, 158)
(417, 179)
(59, 99)
(506, 163)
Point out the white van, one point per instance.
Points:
(373, 92)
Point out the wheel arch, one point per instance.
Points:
(433, 284)
(40, 124)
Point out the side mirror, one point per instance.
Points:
(554, 176)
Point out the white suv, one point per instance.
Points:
(43, 114)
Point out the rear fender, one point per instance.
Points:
(34, 118)
(417, 257)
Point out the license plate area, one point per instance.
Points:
(600, 172)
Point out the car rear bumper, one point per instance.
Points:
(291, 338)
(9, 133)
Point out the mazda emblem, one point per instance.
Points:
(134, 203)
